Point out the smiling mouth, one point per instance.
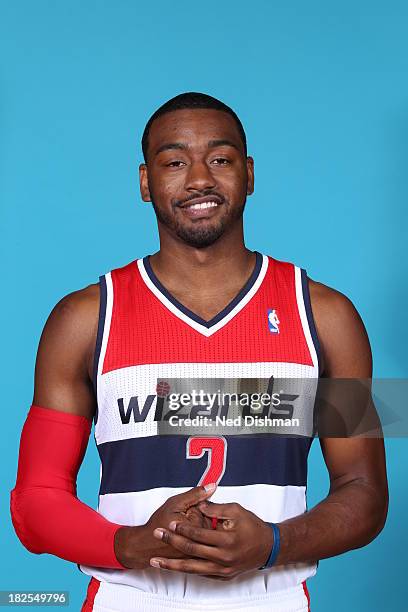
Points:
(202, 205)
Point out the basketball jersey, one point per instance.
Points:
(151, 348)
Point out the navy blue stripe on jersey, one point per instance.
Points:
(189, 313)
(139, 464)
(99, 335)
(310, 319)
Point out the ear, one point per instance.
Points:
(250, 173)
(144, 183)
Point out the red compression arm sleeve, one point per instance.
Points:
(46, 513)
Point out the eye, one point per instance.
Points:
(221, 161)
(175, 163)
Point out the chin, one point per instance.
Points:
(201, 238)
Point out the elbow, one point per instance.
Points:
(375, 516)
(20, 518)
(382, 513)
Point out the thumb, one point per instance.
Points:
(184, 501)
(221, 511)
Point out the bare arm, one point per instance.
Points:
(355, 509)
(63, 372)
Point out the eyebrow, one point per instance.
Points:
(223, 142)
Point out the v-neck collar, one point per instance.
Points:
(207, 328)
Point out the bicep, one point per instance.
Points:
(347, 355)
(62, 380)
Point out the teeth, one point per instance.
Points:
(203, 205)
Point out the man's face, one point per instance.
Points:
(197, 176)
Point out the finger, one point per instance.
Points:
(195, 517)
(193, 512)
(183, 501)
(190, 566)
(190, 548)
(210, 537)
(221, 511)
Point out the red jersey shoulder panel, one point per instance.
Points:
(144, 330)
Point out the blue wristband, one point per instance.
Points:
(275, 548)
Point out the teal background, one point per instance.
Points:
(322, 90)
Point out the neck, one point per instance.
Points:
(203, 270)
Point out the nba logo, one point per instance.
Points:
(273, 321)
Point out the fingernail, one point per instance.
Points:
(158, 533)
(173, 525)
(210, 487)
(154, 562)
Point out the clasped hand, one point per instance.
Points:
(240, 543)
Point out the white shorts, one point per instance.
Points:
(111, 597)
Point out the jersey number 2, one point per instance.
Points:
(216, 449)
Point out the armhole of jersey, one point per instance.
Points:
(105, 315)
(306, 316)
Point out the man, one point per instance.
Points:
(204, 308)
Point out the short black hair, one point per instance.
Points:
(191, 99)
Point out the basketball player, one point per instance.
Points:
(193, 522)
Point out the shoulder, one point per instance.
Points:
(77, 309)
(341, 331)
(330, 306)
(71, 327)
(63, 368)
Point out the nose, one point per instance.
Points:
(199, 177)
